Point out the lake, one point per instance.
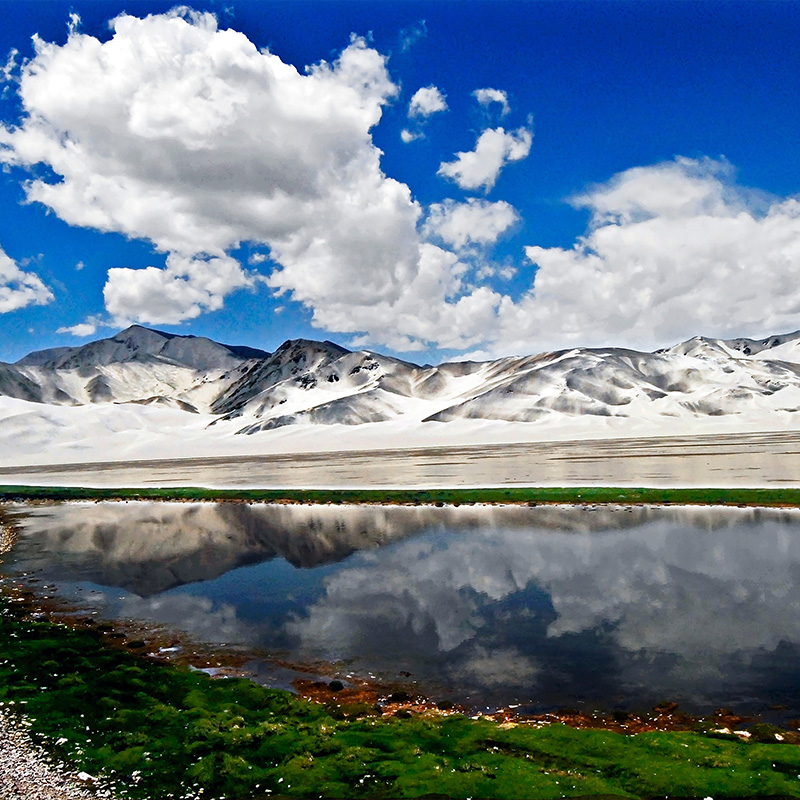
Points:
(592, 608)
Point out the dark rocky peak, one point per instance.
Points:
(752, 346)
(304, 351)
(295, 359)
(244, 351)
(39, 358)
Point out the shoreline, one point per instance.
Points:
(329, 749)
(515, 496)
(27, 771)
(320, 682)
(359, 704)
(311, 680)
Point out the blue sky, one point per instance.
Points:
(628, 173)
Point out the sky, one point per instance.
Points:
(435, 180)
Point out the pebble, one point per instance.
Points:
(27, 773)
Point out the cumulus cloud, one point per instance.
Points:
(184, 289)
(19, 289)
(480, 168)
(673, 250)
(426, 101)
(475, 221)
(488, 96)
(190, 137)
(438, 306)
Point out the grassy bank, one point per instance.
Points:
(158, 731)
(530, 495)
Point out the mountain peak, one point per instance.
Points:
(311, 344)
(319, 382)
(140, 344)
(140, 332)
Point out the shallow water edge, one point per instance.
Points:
(615, 608)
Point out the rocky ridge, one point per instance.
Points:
(306, 382)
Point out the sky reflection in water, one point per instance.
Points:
(544, 606)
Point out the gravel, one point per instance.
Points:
(27, 772)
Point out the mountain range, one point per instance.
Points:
(241, 390)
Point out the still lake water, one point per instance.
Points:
(549, 606)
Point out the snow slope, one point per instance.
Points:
(137, 365)
(144, 393)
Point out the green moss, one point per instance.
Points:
(154, 730)
(530, 495)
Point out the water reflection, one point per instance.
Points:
(546, 606)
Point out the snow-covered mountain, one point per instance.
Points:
(138, 365)
(306, 384)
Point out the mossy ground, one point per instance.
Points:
(532, 495)
(157, 731)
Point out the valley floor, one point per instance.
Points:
(768, 459)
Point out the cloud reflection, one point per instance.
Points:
(543, 605)
(669, 606)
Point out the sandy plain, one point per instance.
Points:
(768, 459)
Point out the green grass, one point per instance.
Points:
(159, 731)
(585, 494)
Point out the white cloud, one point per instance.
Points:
(472, 222)
(426, 101)
(673, 250)
(87, 328)
(410, 136)
(19, 289)
(8, 70)
(190, 137)
(74, 22)
(82, 329)
(679, 189)
(488, 96)
(437, 307)
(183, 290)
(480, 168)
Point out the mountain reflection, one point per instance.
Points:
(546, 605)
(148, 548)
